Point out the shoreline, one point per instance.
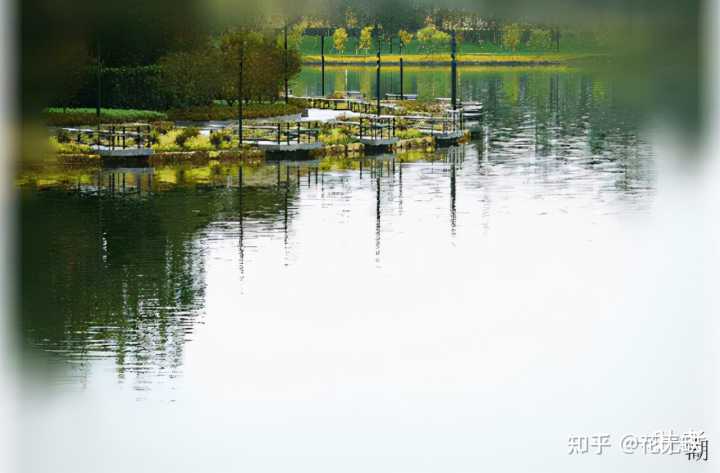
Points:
(371, 63)
(425, 144)
(440, 60)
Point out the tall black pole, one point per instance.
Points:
(286, 64)
(377, 71)
(240, 92)
(557, 39)
(99, 89)
(402, 94)
(453, 68)
(453, 197)
(322, 62)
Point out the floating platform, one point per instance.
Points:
(398, 97)
(472, 114)
(292, 151)
(449, 138)
(380, 145)
(134, 157)
(105, 152)
(475, 129)
(288, 148)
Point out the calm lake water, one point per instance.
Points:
(461, 311)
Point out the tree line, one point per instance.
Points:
(431, 39)
(197, 75)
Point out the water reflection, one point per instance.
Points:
(114, 268)
(114, 262)
(107, 277)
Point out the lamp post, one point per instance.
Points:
(285, 60)
(240, 92)
(322, 62)
(98, 105)
(377, 70)
(453, 69)
(402, 94)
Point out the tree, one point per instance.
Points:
(366, 39)
(440, 40)
(350, 19)
(540, 39)
(340, 37)
(512, 36)
(263, 65)
(405, 38)
(432, 39)
(424, 36)
(295, 34)
(191, 77)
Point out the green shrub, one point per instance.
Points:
(419, 106)
(198, 143)
(166, 143)
(335, 136)
(220, 138)
(63, 136)
(185, 134)
(154, 136)
(67, 148)
(410, 133)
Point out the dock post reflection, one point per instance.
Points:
(240, 222)
(453, 196)
(285, 220)
(400, 185)
(377, 222)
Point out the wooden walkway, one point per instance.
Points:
(356, 105)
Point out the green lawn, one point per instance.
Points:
(84, 116)
(230, 112)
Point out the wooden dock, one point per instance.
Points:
(389, 96)
(356, 105)
(295, 139)
(283, 140)
(122, 143)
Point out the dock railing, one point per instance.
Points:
(371, 127)
(280, 133)
(451, 122)
(350, 104)
(114, 136)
